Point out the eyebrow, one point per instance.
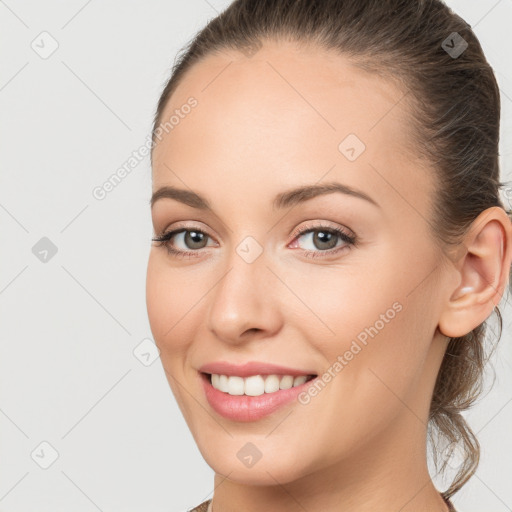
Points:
(282, 200)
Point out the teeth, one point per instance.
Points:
(271, 384)
(255, 385)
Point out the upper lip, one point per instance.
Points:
(251, 368)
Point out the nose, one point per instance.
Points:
(245, 302)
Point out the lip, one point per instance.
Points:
(252, 368)
(246, 408)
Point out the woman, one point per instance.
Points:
(329, 244)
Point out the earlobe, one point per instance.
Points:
(484, 271)
(457, 318)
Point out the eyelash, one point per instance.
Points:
(350, 240)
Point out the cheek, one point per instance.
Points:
(171, 300)
(159, 300)
(334, 304)
(173, 304)
(374, 336)
(368, 385)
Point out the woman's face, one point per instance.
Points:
(255, 289)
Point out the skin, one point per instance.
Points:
(264, 124)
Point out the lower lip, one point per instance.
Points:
(249, 408)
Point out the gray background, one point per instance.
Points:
(69, 326)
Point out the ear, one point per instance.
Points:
(484, 270)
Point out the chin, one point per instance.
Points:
(265, 471)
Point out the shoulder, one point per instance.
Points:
(203, 507)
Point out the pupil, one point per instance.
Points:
(191, 239)
(323, 237)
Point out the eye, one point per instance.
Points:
(320, 241)
(323, 240)
(192, 238)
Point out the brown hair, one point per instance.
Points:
(456, 103)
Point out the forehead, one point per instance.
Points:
(286, 115)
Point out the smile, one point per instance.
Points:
(245, 399)
(256, 385)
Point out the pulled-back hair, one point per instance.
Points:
(454, 102)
